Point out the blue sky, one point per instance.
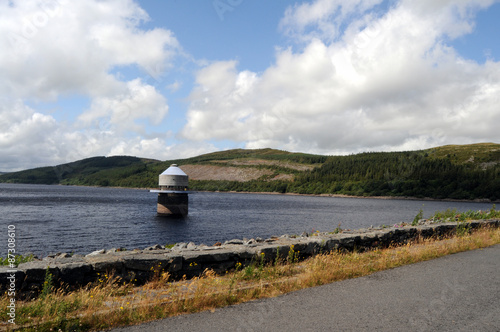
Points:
(174, 79)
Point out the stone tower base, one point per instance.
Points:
(172, 204)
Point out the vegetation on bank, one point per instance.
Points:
(18, 259)
(456, 172)
(110, 303)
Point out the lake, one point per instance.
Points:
(51, 219)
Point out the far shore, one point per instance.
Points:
(408, 198)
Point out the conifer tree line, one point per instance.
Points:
(411, 174)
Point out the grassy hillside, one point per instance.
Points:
(125, 171)
(452, 171)
(90, 171)
(482, 154)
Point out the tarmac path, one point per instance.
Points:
(459, 292)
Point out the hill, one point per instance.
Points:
(452, 171)
(82, 170)
(124, 171)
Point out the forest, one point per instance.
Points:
(409, 174)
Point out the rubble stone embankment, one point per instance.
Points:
(190, 260)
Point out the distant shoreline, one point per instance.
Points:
(407, 198)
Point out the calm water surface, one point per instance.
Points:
(51, 219)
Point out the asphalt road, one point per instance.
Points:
(460, 292)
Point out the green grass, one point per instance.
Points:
(454, 215)
(473, 153)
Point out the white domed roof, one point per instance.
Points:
(174, 170)
(173, 178)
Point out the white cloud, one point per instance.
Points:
(23, 134)
(387, 82)
(322, 18)
(156, 149)
(136, 101)
(59, 48)
(356, 76)
(72, 47)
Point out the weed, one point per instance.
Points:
(18, 260)
(262, 261)
(454, 215)
(419, 216)
(493, 211)
(277, 258)
(293, 256)
(47, 284)
(249, 271)
(463, 228)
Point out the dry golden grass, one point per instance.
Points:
(111, 303)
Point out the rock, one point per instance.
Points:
(146, 262)
(155, 247)
(217, 244)
(76, 273)
(106, 264)
(95, 253)
(234, 241)
(191, 246)
(179, 246)
(63, 255)
(29, 253)
(113, 250)
(35, 271)
(259, 239)
(249, 242)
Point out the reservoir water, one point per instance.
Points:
(51, 219)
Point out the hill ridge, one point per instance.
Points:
(451, 171)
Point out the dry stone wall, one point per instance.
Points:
(190, 260)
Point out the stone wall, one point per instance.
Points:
(139, 266)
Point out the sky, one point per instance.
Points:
(175, 79)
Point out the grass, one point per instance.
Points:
(482, 152)
(454, 215)
(110, 303)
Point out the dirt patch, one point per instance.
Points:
(258, 162)
(283, 177)
(489, 164)
(228, 173)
